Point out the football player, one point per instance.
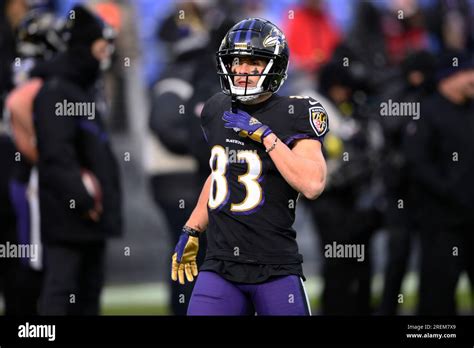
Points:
(265, 151)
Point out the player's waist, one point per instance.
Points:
(236, 255)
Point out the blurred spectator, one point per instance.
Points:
(346, 213)
(80, 193)
(363, 49)
(118, 15)
(179, 166)
(404, 29)
(312, 37)
(39, 38)
(11, 14)
(440, 155)
(311, 34)
(451, 23)
(416, 84)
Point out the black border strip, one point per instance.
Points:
(139, 330)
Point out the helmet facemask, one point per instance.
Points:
(268, 81)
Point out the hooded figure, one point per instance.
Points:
(440, 162)
(80, 195)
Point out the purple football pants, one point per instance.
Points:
(214, 295)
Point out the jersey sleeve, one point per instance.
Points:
(206, 116)
(205, 113)
(311, 122)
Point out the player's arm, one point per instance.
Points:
(303, 167)
(185, 253)
(198, 219)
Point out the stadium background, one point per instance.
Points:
(138, 283)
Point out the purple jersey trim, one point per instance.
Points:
(205, 135)
(295, 137)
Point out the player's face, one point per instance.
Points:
(247, 65)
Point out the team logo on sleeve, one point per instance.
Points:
(318, 120)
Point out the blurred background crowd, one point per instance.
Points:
(400, 185)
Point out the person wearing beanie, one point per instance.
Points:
(79, 181)
(440, 155)
(84, 27)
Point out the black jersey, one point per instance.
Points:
(251, 207)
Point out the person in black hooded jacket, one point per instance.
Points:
(440, 161)
(71, 141)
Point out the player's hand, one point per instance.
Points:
(184, 257)
(246, 125)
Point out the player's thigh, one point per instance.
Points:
(281, 296)
(214, 295)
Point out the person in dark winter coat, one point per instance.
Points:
(351, 192)
(416, 83)
(80, 195)
(440, 162)
(179, 170)
(38, 39)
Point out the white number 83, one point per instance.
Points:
(219, 191)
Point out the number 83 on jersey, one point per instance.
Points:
(219, 191)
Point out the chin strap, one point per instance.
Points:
(234, 103)
(248, 97)
(251, 97)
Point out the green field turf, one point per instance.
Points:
(152, 299)
(146, 299)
